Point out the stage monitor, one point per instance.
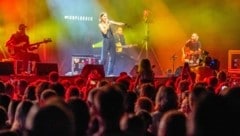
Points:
(43, 69)
(7, 68)
(234, 61)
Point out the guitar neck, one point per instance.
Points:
(38, 43)
(127, 46)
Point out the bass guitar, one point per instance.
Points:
(13, 49)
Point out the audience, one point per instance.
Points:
(125, 106)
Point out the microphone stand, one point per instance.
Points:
(173, 58)
(145, 48)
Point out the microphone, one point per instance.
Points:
(127, 25)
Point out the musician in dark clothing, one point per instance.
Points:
(119, 37)
(19, 49)
(192, 50)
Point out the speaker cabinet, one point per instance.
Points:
(90, 67)
(43, 69)
(7, 68)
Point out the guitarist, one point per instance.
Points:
(19, 49)
(192, 50)
(119, 39)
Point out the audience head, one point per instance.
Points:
(148, 90)
(73, 91)
(123, 76)
(4, 101)
(124, 83)
(166, 99)
(79, 82)
(146, 117)
(145, 65)
(232, 102)
(212, 81)
(222, 76)
(2, 87)
(173, 123)
(66, 83)
(103, 83)
(8, 132)
(144, 103)
(109, 103)
(12, 110)
(47, 95)
(53, 119)
(132, 125)
(196, 95)
(43, 85)
(81, 115)
(9, 89)
(59, 89)
(53, 76)
(3, 118)
(30, 93)
(210, 117)
(21, 87)
(183, 86)
(21, 114)
(130, 100)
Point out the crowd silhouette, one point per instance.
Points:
(126, 106)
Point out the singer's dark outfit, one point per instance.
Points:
(108, 47)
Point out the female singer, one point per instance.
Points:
(108, 47)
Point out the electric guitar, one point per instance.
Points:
(14, 49)
(119, 46)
